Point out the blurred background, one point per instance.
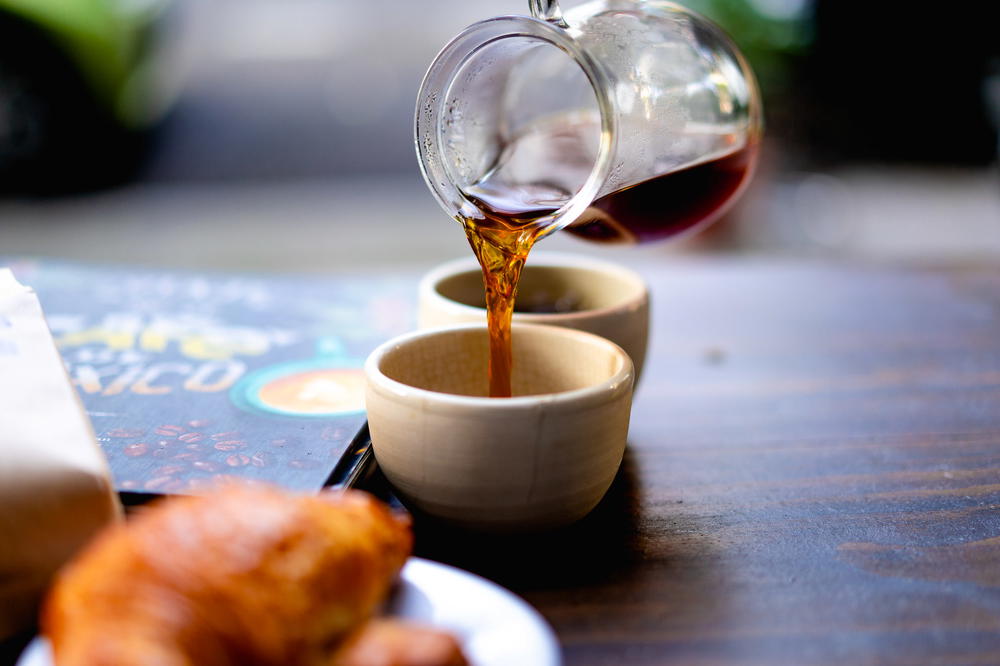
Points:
(277, 134)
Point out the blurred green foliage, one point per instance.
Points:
(105, 39)
(773, 34)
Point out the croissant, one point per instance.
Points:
(241, 576)
(385, 642)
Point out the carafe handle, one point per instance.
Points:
(548, 10)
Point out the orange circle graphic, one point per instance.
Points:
(316, 391)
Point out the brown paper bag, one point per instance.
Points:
(55, 487)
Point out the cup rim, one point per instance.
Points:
(622, 379)
(428, 286)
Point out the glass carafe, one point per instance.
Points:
(631, 120)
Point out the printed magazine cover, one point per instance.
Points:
(191, 378)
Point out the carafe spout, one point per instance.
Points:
(548, 10)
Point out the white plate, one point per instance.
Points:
(495, 627)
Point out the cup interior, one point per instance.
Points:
(546, 360)
(549, 289)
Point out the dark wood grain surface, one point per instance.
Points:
(812, 477)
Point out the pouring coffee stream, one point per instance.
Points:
(621, 121)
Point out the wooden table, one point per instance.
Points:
(812, 477)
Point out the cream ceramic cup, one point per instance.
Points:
(540, 459)
(607, 299)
